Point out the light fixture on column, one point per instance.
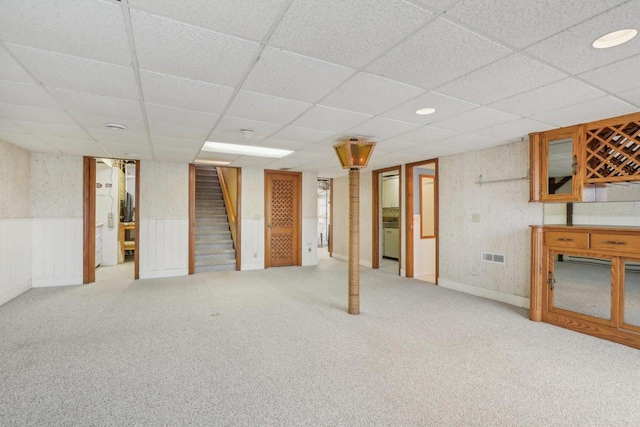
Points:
(354, 155)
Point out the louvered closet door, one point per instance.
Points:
(282, 218)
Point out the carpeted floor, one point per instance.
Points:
(276, 347)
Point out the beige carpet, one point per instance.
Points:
(276, 347)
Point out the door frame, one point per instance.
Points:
(409, 215)
(267, 205)
(192, 218)
(89, 220)
(375, 240)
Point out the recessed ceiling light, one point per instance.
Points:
(615, 38)
(116, 126)
(210, 162)
(425, 111)
(247, 150)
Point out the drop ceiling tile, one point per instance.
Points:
(309, 136)
(56, 70)
(426, 134)
(474, 120)
(571, 49)
(234, 125)
(454, 145)
(178, 143)
(314, 152)
(26, 94)
(286, 163)
(87, 103)
(504, 78)
(381, 128)
(514, 131)
(285, 144)
(93, 122)
(439, 53)
(183, 93)
(326, 173)
(174, 131)
(596, 109)
(208, 155)
(90, 29)
(369, 94)
(330, 119)
(8, 126)
(248, 19)
(266, 108)
(290, 75)
(392, 146)
(437, 5)
(39, 129)
(107, 136)
(445, 106)
(235, 138)
(252, 162)
(177, 49)
(617, 77)
(548, 98)
(632, 96)
(33, 114)
(522, 22)
(126, 151)
(76, 147)
(69, 142)
(173, 154)
(179, 117)
(327, 29)
(11, 70)
(27, 141)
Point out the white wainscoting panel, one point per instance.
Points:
(15, 257)
(57, 251)
(164, 248)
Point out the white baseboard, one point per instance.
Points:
(516, 300)
(14, 292)
(252, 266)
(341, 257)
(65, 281)
(158, 274)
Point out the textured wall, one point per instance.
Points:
(252, 219)
(504, 212)
(15, 178)
(56, 186)
(164, 190)
(341, 218)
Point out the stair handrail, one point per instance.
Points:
(227, 202)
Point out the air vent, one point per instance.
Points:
(494, 258)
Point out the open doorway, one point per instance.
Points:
(422, 220)
(387, 219)
(324, 217)
(111, 234)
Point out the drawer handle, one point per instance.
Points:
(614, 242)
(564, 239)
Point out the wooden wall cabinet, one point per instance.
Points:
(566, 161)
(587, 279)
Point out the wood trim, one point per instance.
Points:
(537, 274)
(192, 219)
(136, 254)
(297, 215)
(535, 188)
(89, 220)
(239, 221)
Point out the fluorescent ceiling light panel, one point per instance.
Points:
(246, 150)
(211, 162)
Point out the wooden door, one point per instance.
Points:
(282, 218)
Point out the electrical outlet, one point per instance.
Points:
(110, 220)
(309, 250)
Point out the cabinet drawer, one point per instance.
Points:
(615, 242)
(562, 239)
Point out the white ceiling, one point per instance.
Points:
(304, 74)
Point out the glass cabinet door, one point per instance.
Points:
(580, 285)
(559, 179)
(631, 293)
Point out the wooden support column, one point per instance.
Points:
(537, 273)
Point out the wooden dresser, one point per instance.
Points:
(587, 278)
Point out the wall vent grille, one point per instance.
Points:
(493, 258)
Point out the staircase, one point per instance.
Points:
(214, 246)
